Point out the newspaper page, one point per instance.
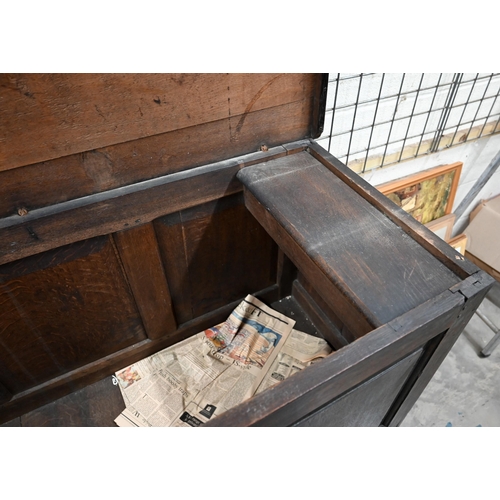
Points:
(300, 350)
(205, 375)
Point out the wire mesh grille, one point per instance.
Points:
(378, 119)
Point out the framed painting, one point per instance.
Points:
(428, 195)
(442, 226)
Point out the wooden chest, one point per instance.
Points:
(138, 210)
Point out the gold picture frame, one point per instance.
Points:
(459, 243)
(428, 195)
(443, 226)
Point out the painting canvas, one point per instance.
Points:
(427, 195)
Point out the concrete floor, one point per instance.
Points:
(465, 391)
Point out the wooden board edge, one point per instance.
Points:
(422, 235)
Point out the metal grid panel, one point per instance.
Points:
(378, 119)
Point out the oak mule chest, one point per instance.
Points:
(138, 210)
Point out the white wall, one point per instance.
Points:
(475, 155)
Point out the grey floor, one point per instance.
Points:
(465, 391)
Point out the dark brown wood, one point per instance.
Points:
(399, 402)
(286, 273)
(422, 235)
(140, 256)
(356, 319)
(16, 422)
(366, 405)
(106, 365)
(223, 254)
(5, 394)
(328, 379)
(297, 146)
(474, 289)
(341, 243)
(319, 107)
(94, 406)
(327, 308)
(142, 223)
(52, 115)
(292, 309)
(100, 403)
(228, 253)
(121, 209)
(103, 169)
(73, 310)
(170, 234)
(328, 329)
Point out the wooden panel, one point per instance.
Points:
(343, 241)
(286, 274)
(102, 169)
(170, 236)
(328, 329)
(325, 306)
(122, 208)
(141, 258)
(103, 367)
(98, 404)
(5, 394)
(62, 310)
(474, 289)
(366, 405)
(213, 254)
(482, 265)
(16, 422)
(422, 235)
(292, 309)
(94, 406)
(308, 390)
(60, 114)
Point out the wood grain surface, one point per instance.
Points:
(462, 267)
(94, 406)
(474, 289)
(61, 114)
(139, 253)
(103, 367)
(213, 254)
(120, 209)
(329, 330)
(341, 242)
(367, 404)
(64, 315)
(325, 381)
(327, 308)
(98, 404)
(82, 174)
